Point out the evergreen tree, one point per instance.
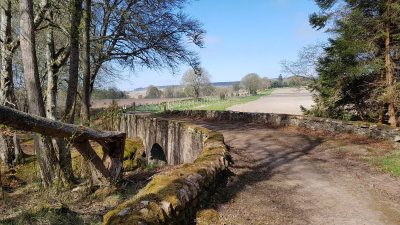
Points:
(356, 74)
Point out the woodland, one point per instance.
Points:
(54, 52)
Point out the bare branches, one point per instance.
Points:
(141, 33)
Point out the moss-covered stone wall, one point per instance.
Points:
(171, 197)
(373, 130)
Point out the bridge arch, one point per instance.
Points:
(179, 143)
(157, 155)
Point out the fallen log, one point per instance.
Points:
(105, 170)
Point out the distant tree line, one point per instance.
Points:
(197, 84)
(110, 93)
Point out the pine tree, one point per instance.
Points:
(357, 75)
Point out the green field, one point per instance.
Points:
(206, 103)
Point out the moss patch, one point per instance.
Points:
(207, 216)
(133, 158)
(28, 170)
(133, 155)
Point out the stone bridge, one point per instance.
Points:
(166, 141)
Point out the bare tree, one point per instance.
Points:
(306, 62)
(252, 83)
(195, 79)
(137, 33)
(265, 83)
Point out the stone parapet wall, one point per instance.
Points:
(378, 131)
(181, 142)
(171, 197)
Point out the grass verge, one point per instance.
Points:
(389, 163)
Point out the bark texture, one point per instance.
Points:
(389, 70)
(76, 14)
(10, 152)
(85, 105)
(70, 103)
(48, 162)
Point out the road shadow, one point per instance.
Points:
(258, 157)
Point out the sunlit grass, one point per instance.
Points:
(389, 163)
(207, 103)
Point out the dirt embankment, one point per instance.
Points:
(282, 100)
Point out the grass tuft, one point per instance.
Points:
(389, 163)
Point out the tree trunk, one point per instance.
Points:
(64, 147)
(389, 72)
(76, 14)
(47, 159)
(51, 103)
(10, 152)
(85, 105)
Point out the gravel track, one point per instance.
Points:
(292, 176)
(282, 100)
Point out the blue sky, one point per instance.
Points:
(243, 36)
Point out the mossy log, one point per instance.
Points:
(104, 170)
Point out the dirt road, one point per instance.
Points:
(292, 176)
(282, 100)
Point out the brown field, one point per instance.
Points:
(101, 103)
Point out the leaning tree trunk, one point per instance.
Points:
(47, 159)
(104, 171)
(10, 151)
